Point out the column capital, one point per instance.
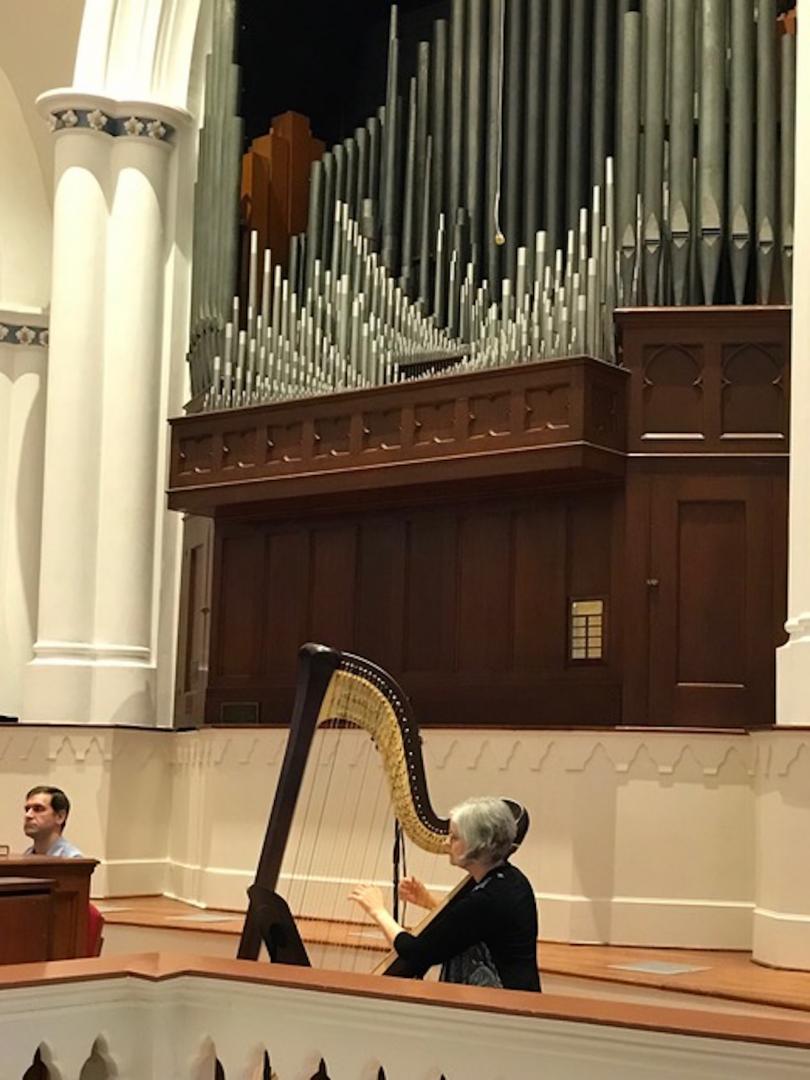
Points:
(69, 109)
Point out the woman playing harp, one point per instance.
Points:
(487, 935)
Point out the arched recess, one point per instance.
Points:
(42, 1066)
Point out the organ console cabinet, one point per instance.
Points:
(562, 542)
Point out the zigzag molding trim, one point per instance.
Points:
(674, 756)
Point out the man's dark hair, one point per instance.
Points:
(59, 800)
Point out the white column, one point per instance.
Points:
(94, 657)
(781, 936)
(793, 659)
(57, 679)
(133, 308)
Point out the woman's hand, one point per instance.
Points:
(370, 899)
(413, 891)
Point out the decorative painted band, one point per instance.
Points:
(11, 334)
(96, 120)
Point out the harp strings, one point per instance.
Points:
(342, 780)
(313, 902)
(363, 786)
(305, 827)
(363, 837)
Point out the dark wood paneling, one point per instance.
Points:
(333, 585)
(590, 541)
(539, 589)
(236, 639)
(288, 560)
(430, 592)
(710, 563)
(466, 604)
(486, 569)
(380, 597)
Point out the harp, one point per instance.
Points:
(339, 690)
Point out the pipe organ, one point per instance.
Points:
(546, 162)
(513, 421)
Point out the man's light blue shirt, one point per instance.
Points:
(60, 848)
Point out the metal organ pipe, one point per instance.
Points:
(403, 269)
(766, 238)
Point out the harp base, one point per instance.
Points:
(270, 920)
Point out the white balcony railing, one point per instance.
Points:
(172, 1017)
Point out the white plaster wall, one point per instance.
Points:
(118, 782)
(25, 213)
(22, 426)
(37, 52)
(636, 838)
(781, 934)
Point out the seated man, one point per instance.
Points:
(46, 811)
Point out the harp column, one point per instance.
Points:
(94, 657)
(781, 936)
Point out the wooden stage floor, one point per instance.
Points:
(730, 976)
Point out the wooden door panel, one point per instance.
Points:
(710, 601)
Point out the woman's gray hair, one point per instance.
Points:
(487, 827)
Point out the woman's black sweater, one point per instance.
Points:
(499, 911)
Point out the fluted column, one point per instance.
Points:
(94, 655)
(781, 935)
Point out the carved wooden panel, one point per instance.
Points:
(473, 425)
(706, 380)
(195, 455)
(548, 409)
(284, 442)
(382, 429)
(673, 398)
(435, 422)
(239, 449)
(490, 415)
(332, 436)
(754, 401)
